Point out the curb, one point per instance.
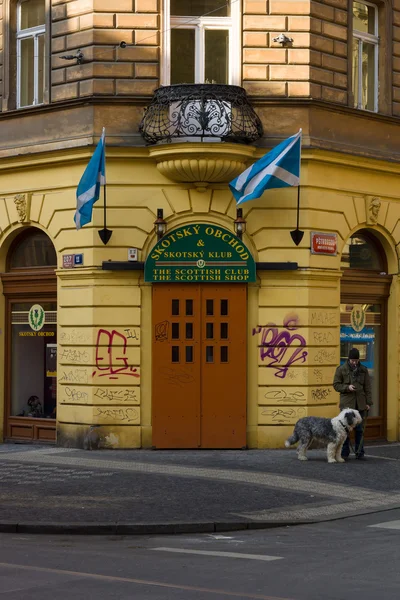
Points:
(33, 527)
(140, 528)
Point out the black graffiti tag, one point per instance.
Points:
(161, 331)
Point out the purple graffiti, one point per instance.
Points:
(281, 348)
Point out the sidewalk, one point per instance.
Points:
(60, 490)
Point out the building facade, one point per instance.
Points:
(196, 326)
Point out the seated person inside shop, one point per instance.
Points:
(34, 408)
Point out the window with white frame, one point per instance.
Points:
(201, 42)
(30, 37)
(365, 55)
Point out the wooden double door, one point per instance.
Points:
(199, 366)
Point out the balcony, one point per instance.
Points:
(202, 114)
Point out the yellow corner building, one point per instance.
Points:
(197, 325)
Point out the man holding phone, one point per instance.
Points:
(353, 383)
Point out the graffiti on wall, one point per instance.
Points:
(281, 347)
(116, 414)
(282, 415)
(293, 395)
(111, 359)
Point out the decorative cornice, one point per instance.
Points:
(63, 105)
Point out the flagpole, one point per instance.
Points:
(297, 234)
(105, 206)
(105, 234)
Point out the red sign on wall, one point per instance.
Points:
(68, 261)
(323, 243)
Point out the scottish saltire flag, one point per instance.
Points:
(88, 191)
(279, 168)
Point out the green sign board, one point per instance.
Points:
(200, 253)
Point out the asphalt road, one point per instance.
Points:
(355, 557)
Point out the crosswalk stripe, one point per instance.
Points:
(387, 525)
(223, 554)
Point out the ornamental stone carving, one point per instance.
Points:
(373, 206)
(21, 202)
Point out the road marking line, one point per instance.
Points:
(223, 554)
(142, 582)
(387, 525)
(390, 445)
(382, 457)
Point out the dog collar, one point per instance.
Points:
(344, 426)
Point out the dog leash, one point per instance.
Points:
(360, 445)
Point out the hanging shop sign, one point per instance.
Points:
(200, 253)
(323, 243)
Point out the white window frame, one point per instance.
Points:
(22, 34)
(362, 37)
(200, 25)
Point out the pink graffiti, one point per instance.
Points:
(110, 358)
(281, 348)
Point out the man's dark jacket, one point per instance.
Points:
(362, 395)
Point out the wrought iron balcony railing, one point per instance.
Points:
(204, 111)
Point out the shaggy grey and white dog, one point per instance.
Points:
(326, 432)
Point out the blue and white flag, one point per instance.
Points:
(88, 191)
(279, 168)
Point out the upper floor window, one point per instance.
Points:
(201, 42)
(365, 56)
(30, 38)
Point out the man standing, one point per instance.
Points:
(354, 385)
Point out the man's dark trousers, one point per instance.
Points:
(359, 445)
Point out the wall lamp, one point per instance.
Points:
(239, 223)
(160, 226)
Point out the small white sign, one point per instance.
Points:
(133, 254)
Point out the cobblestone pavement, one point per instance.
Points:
(45, 486)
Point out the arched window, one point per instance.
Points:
(363, 252)
(31, 250)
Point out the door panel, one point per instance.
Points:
(199, 366)
(176, 366)
(223, 363)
